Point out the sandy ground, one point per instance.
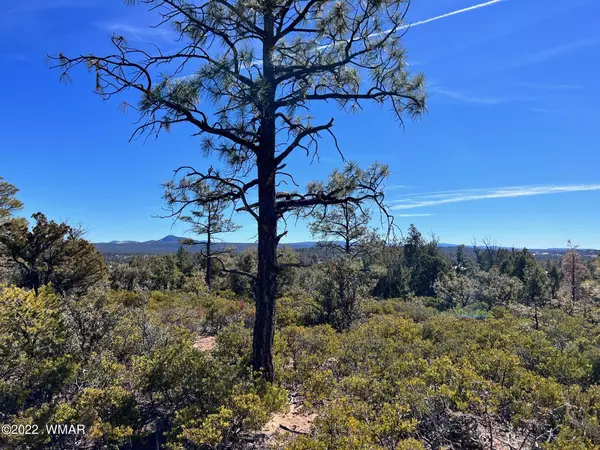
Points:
(295, 420)
(205, 343)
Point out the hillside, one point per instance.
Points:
(171, 243)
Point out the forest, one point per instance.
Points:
(375, 340)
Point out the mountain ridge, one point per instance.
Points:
(171, 243)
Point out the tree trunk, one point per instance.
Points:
(266, 288)
(573, 284)
(208, 275)
(347, 246)
(266, 283)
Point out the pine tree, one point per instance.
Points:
(555, 277)
(8, 203)
(262, 66)
(184, 261)
(52, 252)
(463, 263)
(207, 219)
(535, 289)
(425, 261)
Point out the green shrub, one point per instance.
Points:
(219, 313)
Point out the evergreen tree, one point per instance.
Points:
(464, 263)
(207, 219)
(535, 289)
(52, 253)
(425, 261)
(499, 289)
(395, 281)
(519, 262)
(8, 205)
(184, 261)
(260, 64)
(343, 228)
(555, 279)
(8, 202)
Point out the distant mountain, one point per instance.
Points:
(170, 239)
(171, 243)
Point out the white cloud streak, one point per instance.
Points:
(403, 27)
(469, 195)
(413, 215)
(453, 13)
(550, 87)
(398, 186)
(423, 22)
(467, 98)
(554, 52)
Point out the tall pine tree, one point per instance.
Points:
(246, 74)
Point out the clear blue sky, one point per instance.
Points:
(509, 149)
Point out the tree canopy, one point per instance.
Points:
(53, 253)
(8, 202)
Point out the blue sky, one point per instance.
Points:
(508, 150)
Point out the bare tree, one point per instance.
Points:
(489, 256)
(574, 273)
(246, 75)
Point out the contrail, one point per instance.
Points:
(469, 195)
(423, 22)
(403, 27)
(450, 14)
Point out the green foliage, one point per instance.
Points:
(463, 263)
(247, 261)
(207, 218)
(297, 310)
(219, 313)
(8, 203)
(245, 412)
(446, 381)
(343, 286)
(52, 253)
(536, 293)
(343, 228)
(34, 348)
(479, 290)
(412, 268)
(158, 273)
(426, 262)
(125, 372)
(394, 283)
(401, 375)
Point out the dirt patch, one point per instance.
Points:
(205, 343)
(296, 420)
